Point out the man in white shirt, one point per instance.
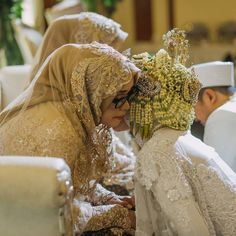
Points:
(216, 108)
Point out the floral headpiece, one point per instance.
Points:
(167, 90)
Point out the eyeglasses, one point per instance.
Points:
(119, 102)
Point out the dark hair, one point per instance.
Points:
(226, 90)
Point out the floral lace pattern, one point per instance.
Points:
(58, 114)
(213, 196)
(90, 84)
(220, 198)
(95, 72)
(82, 28)
(38, 136)
(149, 168)
(105, 65)
(98, 28)
(159, 170)
(152, 170)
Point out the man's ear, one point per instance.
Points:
(210, 96)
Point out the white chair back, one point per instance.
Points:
(13, 80)
(35, 197)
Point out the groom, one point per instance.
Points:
(216, 108)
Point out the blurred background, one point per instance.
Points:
(210, 27)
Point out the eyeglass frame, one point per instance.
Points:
(119, 102)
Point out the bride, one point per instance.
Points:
(182, 186)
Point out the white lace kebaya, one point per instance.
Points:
(183, 188)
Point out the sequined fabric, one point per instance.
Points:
(183, 188)
(58, 114)
(82, 28)
(120, 178)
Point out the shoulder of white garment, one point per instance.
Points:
(224, 112)
(203, 155)
(195, 149)
(221, 122)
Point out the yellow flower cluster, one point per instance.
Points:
(173, 104)
(141, 119)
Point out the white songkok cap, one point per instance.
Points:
(215, 73)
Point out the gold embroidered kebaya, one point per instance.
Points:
(59, 115)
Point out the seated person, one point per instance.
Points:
(216, 108)
(66, 112)
(182, 186)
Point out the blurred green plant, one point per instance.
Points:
(16, 9)
(9, 51)
(108, 5)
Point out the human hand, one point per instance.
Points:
(125, 201)
(132, 218)
(130, 200)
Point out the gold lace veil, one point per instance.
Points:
(84, 27)
(80, 77)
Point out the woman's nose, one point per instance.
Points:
(125, 106)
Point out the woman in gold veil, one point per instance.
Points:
(76, 94)
(82, 28)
